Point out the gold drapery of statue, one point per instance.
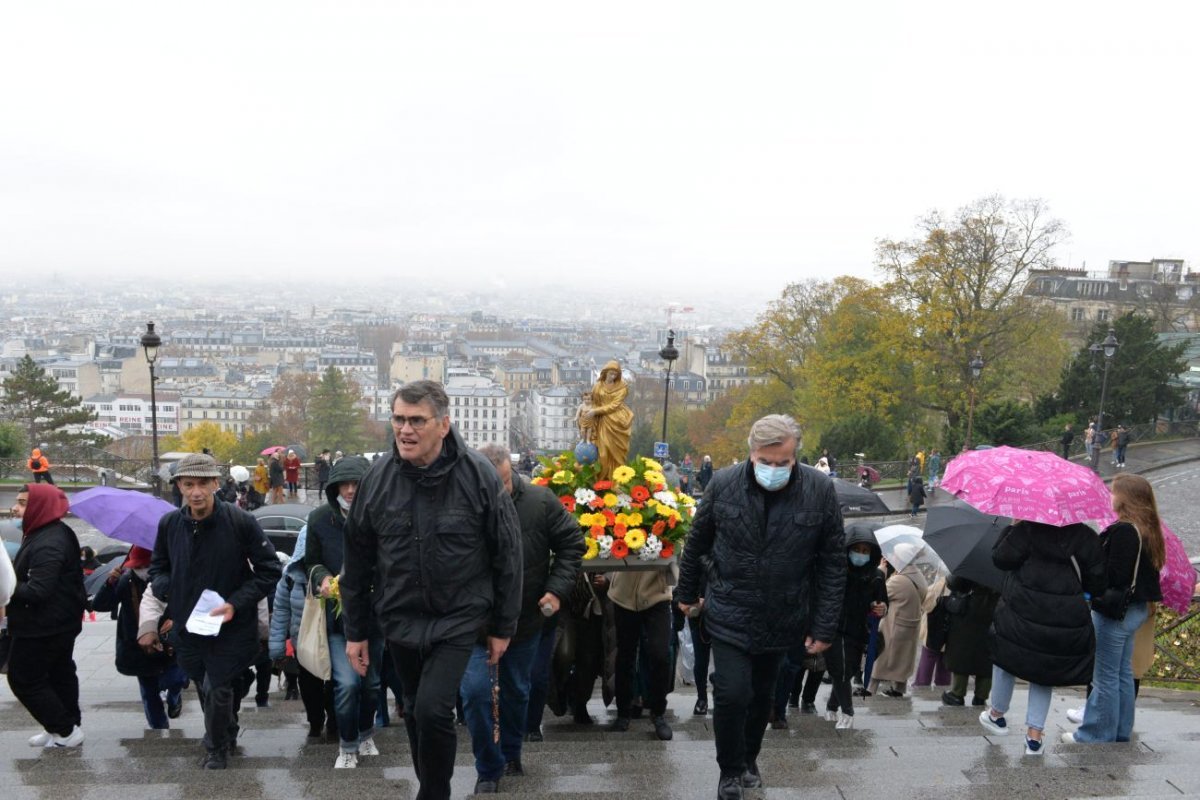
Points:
(606, 420)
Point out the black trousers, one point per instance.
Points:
(589, 660)
(219, 704)
(431, 679)
(651, 630)
(317, 697)
(701, 649)
(41, 674)
(842, 660)
(743, 686)
(38, 477)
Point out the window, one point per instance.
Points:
(1102, 315)
(1078, 315)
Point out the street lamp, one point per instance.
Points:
(151, 341)
(668, 354)
(976, 366)
(1109, 348)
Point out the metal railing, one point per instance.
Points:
(1176, 646)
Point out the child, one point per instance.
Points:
(866, 596)
(916, 494)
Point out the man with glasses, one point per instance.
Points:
(433, 540)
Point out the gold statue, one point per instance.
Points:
(606, 421)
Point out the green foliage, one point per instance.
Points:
(33, 401)
(335, 417)
(252, 444)
(1008, 422)
(878, 439)
(1139, 375)
(12, 441)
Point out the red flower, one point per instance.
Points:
(596, 504)
(597, 531)
(640, 494)
(568, 503)
(671, 523)
(668, 549)
(540, 481)
(602, 486)
(662, 487)
(610, 516)
(658, 528)
(619, 531)
(620, 549)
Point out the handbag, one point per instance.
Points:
(312, 646)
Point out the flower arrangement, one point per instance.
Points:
(335, 595)
(634, 513)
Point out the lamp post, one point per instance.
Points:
(151, 341)
(1109, 348)
(976, 365)
(668, 354)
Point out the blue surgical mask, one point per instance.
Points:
(771, 478)
(860, 559)
(20, 523)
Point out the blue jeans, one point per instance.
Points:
(1039, 698)
(1108, 715)
(476, 688)
(172, 682)
(539, 675)
(354, 697)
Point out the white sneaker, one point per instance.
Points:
(40, 739)
(831, 716)
(73, 739)
(1075, 715)
(1068, 738)
(367, 747)
(844, 721)
(346, 761)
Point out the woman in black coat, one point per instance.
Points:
(966, 651)
(1042, 629)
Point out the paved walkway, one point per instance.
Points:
(907, 748)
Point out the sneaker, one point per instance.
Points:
(487, 787)
(513, 769)
(367, 747)
(1068, 738)
(1033, 747)
(831, 715)
(40, 739)
(751, 778)
(1073, 714)
(619, 725)
(661, 729)
(996, 725)
(346, 760)
(730, 788)
(535, 736)
(808, 708)
(844, 721)
(174, 709)
(72, 739)
(701, 707)
(215, 760)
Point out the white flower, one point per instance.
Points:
(624, 500)
(584, 496)
(651, 549)
(606, 543)
(666, 498)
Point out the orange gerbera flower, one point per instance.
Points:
(658, 528)
(597, 531)
(540, 481)
(568, 503)
(620, 549)
(671, 522)
(596, 504)
(602, 486)
(640, 494)
(619, 531)
(609, 515)
(668, 549)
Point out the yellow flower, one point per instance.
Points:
(593, 549)
(686, 499)
(635, 539)
(623, 519)
(652, 464)
(635, 519)
(562, 477)
(654, 477)
(622, 474)
(588, 520)
(610, 500)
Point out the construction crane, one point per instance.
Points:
(674, 308)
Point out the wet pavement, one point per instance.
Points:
(900, 748)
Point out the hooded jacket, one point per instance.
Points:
(49, 598)
(546, 530)
(324, 550)
(38, 462)
(289, 601)
(441, 545)
(864, 586)
(1042, 628)
(770, 583)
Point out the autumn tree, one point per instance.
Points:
(960, 282)
(222, 443)
(335, 413)
(33, 401)
(288, 413)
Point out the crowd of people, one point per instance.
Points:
(452, 581)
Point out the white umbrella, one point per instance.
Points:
(903, 545)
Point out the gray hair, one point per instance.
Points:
(496, 454)
(424, 392)
(773, 429)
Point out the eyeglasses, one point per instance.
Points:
(417, 423)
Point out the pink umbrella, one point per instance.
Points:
(273, 449)
(1034, 485)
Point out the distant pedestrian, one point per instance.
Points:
(262, 479)
(935, 468)
(1122, 442)
(830, 461)
(276, 472)
(39, 465)
(1067, 438)
(323, 466)
(1089, 441)
(966, 652)
(291, 472)
(916, 494)
(704, 475)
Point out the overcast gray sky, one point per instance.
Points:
(714, 142)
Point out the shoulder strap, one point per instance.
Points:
(1137, 562)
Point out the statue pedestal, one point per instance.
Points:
(630, 564)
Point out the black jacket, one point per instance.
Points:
(49, 598)
(777, 574)
(864, 585)
(1042, 628)
(275, 473)
(967, 636)
(444, 544)
(546, 529)
(324, 541)
(1119, 542)
(228, 553)
(123, 599)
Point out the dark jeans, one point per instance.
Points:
(742, 688)
(513, 678)
(262, 679)
(173, 682)
(539, 677)
(1120, 454)
(317, 697)
(41, 674)
(38, 477)
(388, 679)
(431, 679)
(842, 660)
(651, 629)
(700, 649)
(220, 713)
(792, 673)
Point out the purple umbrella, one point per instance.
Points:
(122, 514)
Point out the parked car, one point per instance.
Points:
(282, 523)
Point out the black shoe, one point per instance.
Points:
(619, 725)
(535, 736)
(635, 711)
(978, 701)
(215, 760)
(779, 724)
(701, 707)
(951, 699)
(583, 718)
(513, 769)
(291, 695)
(262, 703)
(794, 701)
(862, 691)
(176, 708)
(751, 779)
(661, 729)
(314, 731)
(892, 693)
(808, 708)
(730, 788)
(486, 787)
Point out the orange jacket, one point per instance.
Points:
(38, 462)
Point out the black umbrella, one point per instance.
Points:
(963, 538)
(855, 499)
(93, 582)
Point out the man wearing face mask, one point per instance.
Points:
(772, 529)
